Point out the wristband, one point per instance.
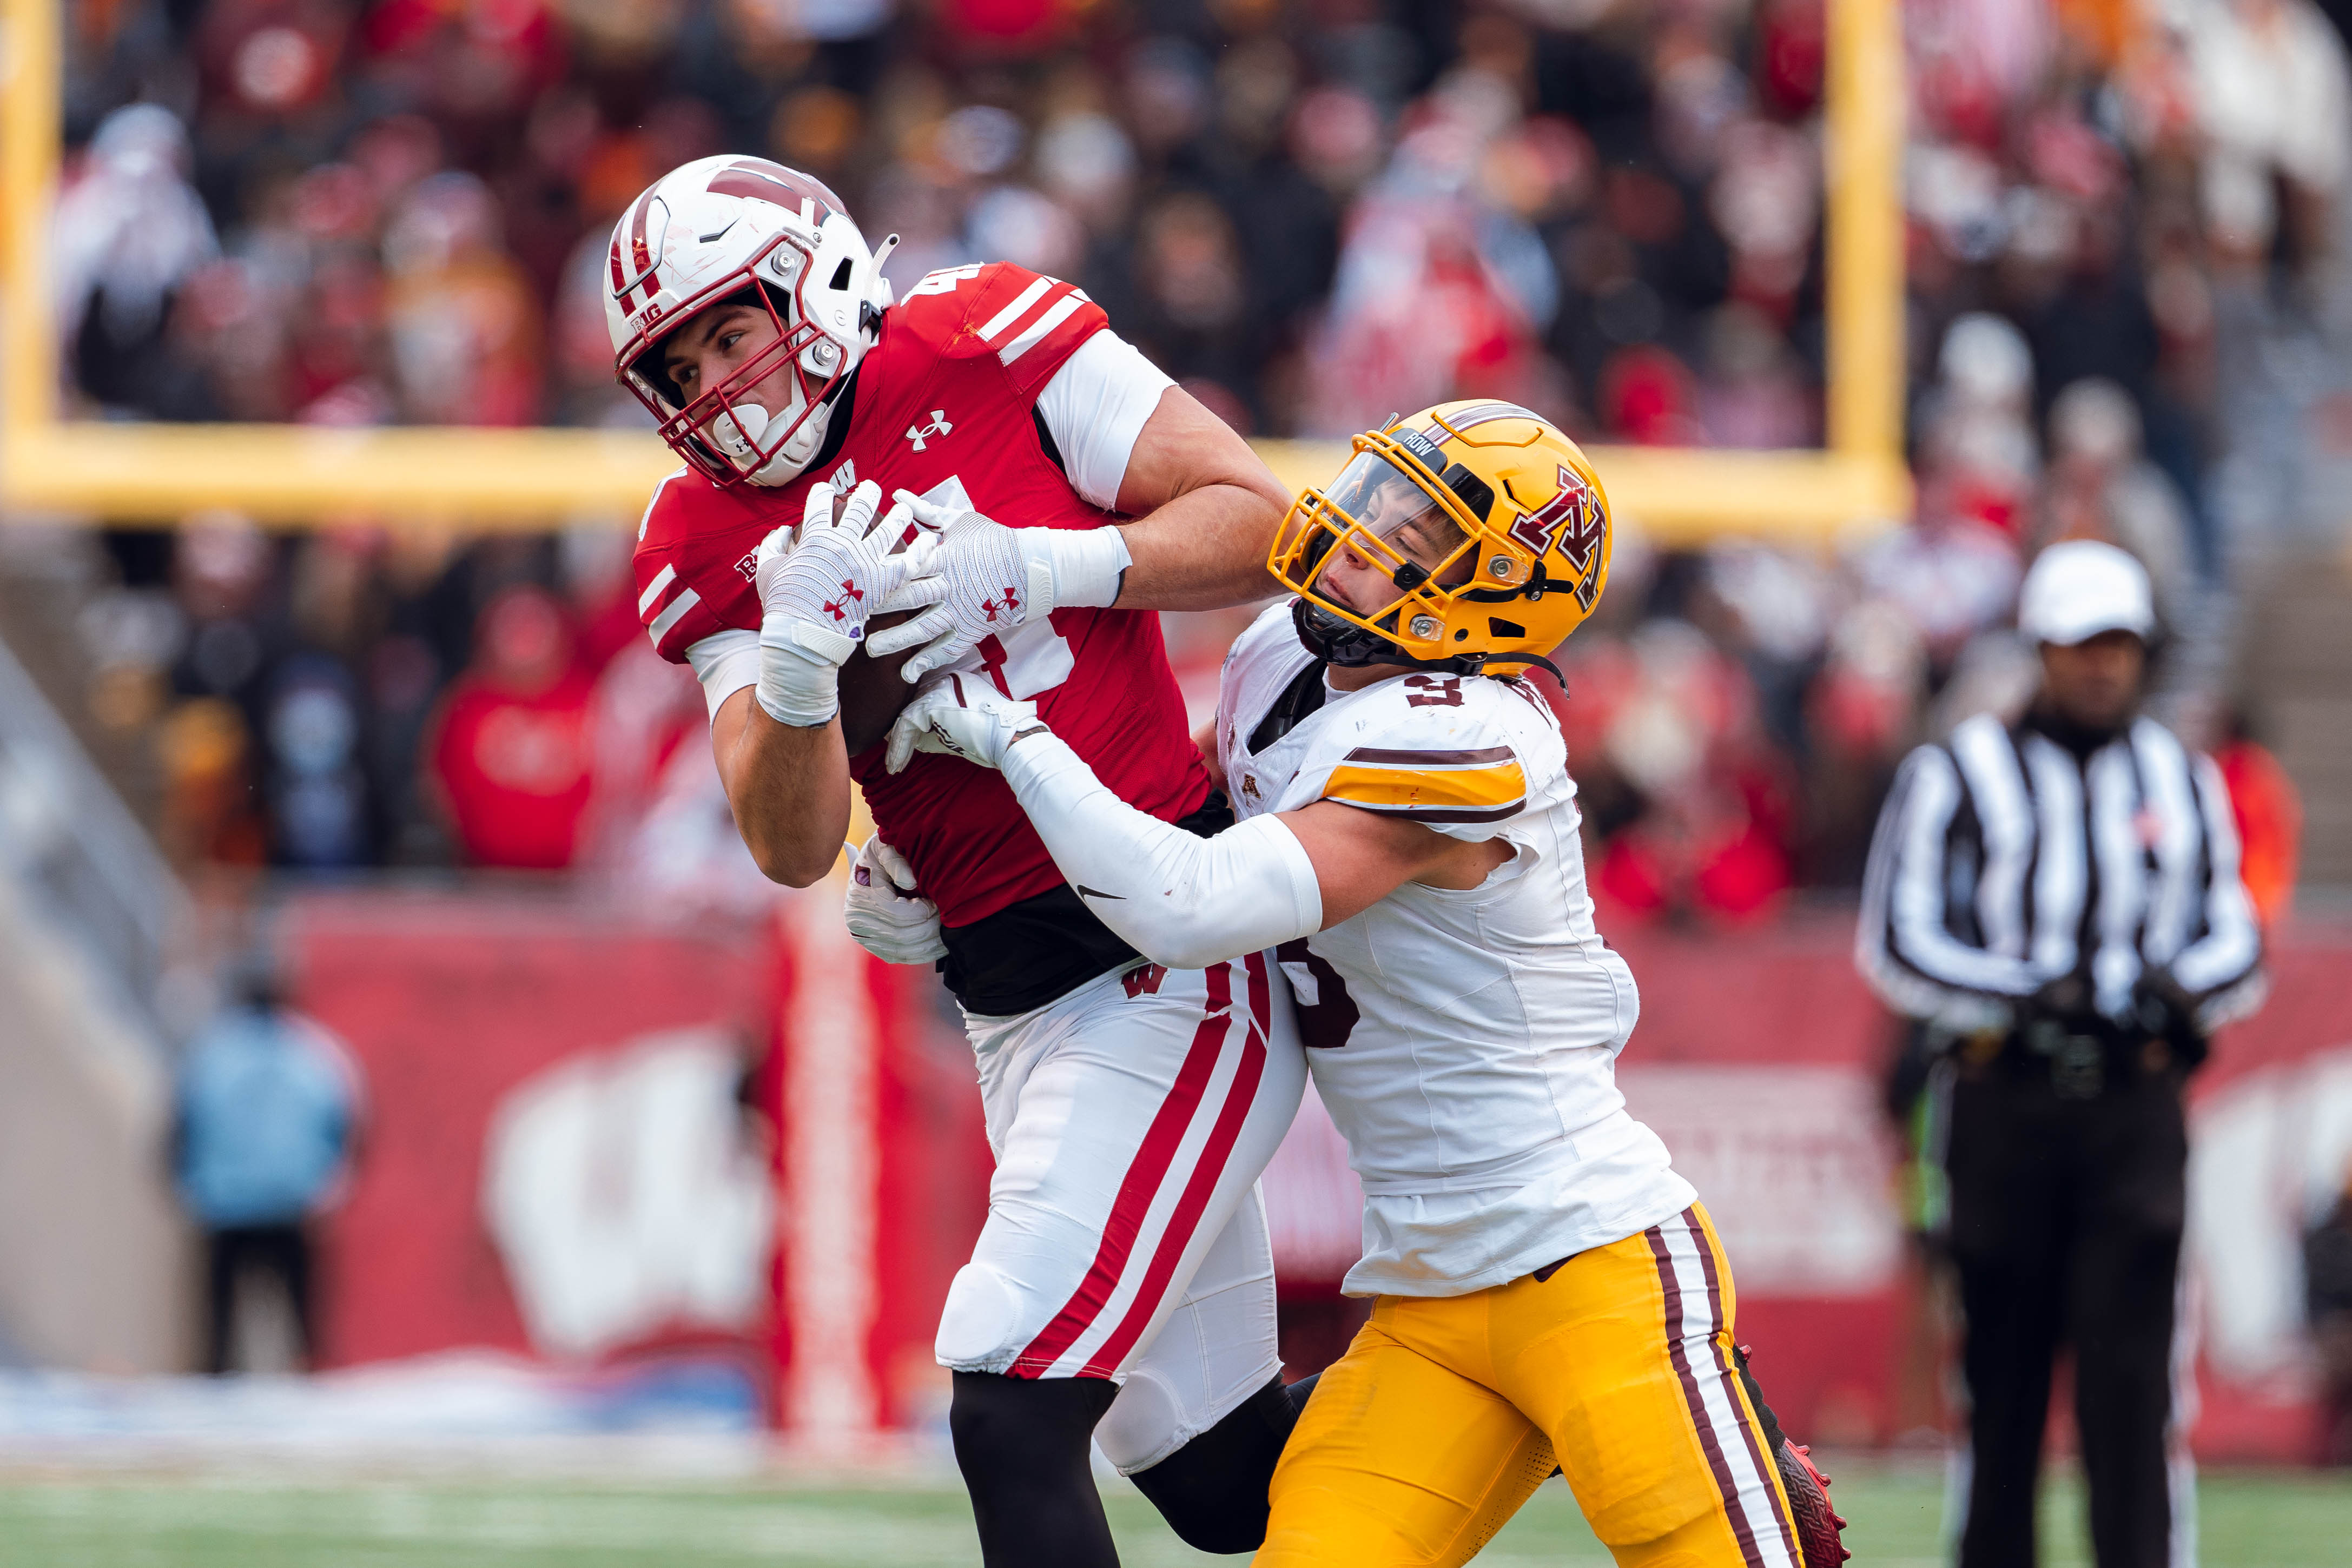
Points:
(1087, 564)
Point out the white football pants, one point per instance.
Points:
(1126, 1238)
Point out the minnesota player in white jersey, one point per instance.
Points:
(1547, 1288)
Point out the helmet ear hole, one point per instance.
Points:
(840, 275)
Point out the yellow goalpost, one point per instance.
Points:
(288, 476)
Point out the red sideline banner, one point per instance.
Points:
(593, 1138)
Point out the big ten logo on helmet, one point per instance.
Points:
(1572, 522)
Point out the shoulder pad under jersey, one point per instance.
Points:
(1029, 322)
(1460, 754)
(697, 545)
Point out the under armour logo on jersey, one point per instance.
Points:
(839, 608)
(920, 435)
(1009, 604)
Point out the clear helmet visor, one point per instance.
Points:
(1379, 502)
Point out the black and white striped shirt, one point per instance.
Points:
(2004, 861)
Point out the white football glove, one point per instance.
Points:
(886, 914)
(993, 577)
(965, 716)
(819, 584)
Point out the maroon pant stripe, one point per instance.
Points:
(1693, 1398)
(1747, 1431)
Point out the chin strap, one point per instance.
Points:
(1470, 663)
(1347, 645)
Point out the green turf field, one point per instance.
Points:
(2256, 1521)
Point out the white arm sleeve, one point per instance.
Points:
(1095, 406)
(1176, 898)
(725, 663)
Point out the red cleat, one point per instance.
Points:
(1817, 1523)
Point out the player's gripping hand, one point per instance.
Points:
(887, 917)
(993, 577)
(965, 716)
(819, 584)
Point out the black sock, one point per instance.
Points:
(1773, 1435)
(1023, 1443)
(1212, 1490)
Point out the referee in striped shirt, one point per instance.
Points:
(2058, 900)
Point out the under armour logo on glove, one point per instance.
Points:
(991, 579)
(817, 585)
(960, 715)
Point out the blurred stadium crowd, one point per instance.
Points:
(1313, 213)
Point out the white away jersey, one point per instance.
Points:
(1465, 1041)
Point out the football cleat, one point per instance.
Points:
(1817, 1524)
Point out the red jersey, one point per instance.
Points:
(942, 407)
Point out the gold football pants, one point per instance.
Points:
(1446, 1413)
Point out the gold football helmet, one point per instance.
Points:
(1468, 535)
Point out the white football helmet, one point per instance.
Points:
(729, 228)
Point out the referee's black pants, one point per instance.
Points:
(2066, 1212)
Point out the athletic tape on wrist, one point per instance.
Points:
(795, 689)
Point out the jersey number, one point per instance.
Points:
(1433, 691)
(1028, 661)
(1327, 1013)
(945, 281)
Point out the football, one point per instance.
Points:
(872, 694)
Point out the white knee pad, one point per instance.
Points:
(1144, 1425)
(1215, 1352)
(979, 1323)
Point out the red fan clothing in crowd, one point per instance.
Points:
(512, 751)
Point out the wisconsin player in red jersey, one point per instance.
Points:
(1058, 490)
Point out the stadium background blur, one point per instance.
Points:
(435, 771)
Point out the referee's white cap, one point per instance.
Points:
(2081, 588)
